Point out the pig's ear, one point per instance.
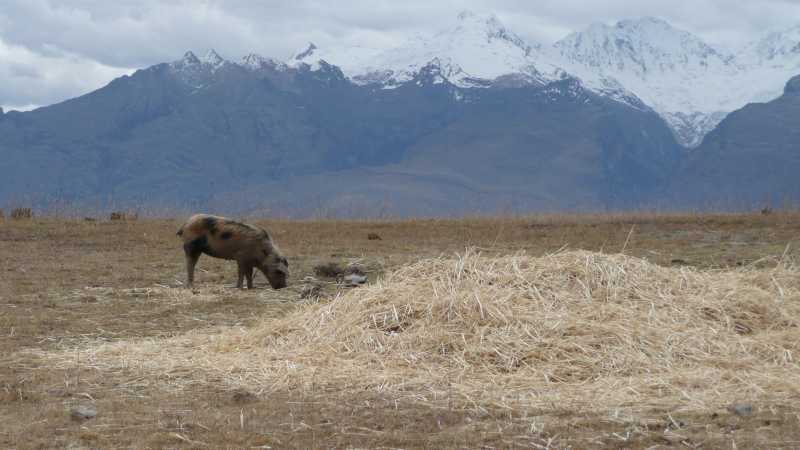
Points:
(268, 247)
(267, 235)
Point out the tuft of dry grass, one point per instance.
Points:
(21, 213)
(123, 215)
(572, 329)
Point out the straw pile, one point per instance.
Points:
(569, 330)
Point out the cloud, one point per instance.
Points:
(31, 79)
(55, 49)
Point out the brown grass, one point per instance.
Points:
(123, 215)
(543, 336)
(21, 213)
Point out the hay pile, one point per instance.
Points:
(570, 330)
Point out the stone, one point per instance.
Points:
(83, 412)
(742, 409)
(354, 280)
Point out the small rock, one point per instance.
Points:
(374, 237)
(242, 396)
(742, 409)
(83, 412)
(354, 280)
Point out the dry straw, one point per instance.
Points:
(569, 330)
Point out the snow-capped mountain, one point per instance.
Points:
(471, 52)
(768, 63)
(777, 49)
(672, 71)
(198, 72)
(258, 62)
(692, 85)
(645, 63)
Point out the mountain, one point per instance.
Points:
(469, 119)
(472, 52)
(751, 159)
(261, 135)
(691, 84)
(672, 71)
(777, 49)
(769, 63)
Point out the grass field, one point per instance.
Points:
(73, 292)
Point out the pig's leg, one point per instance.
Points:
(192, 255)
(248, 272)
(240, 279)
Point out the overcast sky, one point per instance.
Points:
(52, 50)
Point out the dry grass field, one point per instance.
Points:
(630, 331)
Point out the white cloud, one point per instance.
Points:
(30, 79)
(51, 50)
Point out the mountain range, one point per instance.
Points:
(691, 84)
(469, 119)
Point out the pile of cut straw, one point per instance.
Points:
(577, 329)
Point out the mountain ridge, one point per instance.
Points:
(261, 136)
(434, 133)
(690, 83)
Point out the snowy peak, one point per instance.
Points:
(209, 59)
(307, 53)
(212, 58)
(775, 48)
(198, 72)
(189, 58)
(255, 61)
(674, 72)
(488, 26)
(473, 50)
(644, 47)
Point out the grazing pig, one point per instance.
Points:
(250, 246)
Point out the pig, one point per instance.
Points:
(250, 246)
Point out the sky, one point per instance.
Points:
(53, 50)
